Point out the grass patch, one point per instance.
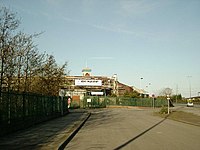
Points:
(181, 116)
(185, 117)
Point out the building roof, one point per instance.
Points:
(86, 69)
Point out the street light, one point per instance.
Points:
(189, 85)
(148, 88)
(140, 86)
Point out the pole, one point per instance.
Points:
(189, 85)
(168, 107)
(140, 87)
(153, 103)
(168, 98)
(61, 106)
(105, 99)
(176, 93)
(190, 88)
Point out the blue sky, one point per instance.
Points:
(158, 40)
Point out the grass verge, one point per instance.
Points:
(182, 116)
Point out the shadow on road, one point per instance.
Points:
(102, 118)
(131, 140)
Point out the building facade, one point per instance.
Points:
(77, 87)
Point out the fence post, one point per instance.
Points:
(9, 105)
(61, 105)
(153, 102)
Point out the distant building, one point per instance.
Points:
(122, 89)
(141, 91)
(79, 86)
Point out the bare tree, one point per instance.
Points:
(166, 91)
(8, 24)
(22, 67)
(10, 65)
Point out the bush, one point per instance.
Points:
(163, 110)
(74, 105)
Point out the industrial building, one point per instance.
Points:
(79, 86)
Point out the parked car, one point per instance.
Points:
(190, 103)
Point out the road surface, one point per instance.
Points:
(183, 107)
(136, 129)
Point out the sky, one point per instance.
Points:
(157, 40)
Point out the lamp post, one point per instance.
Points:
(189, 85)
(148, 88)
(141, 86)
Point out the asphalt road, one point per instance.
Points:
(136, 129)
(183, 107)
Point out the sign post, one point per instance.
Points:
(89, 102)
(168, 98)
(153, 99)
(62, 93)
(69, 102)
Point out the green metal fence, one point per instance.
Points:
(101, 101)
(143, 102)
(94, 102)
(18, 111)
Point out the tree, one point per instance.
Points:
(133, 94)
(177, 97)
(166, 91)
(52, 76)
(22, 67)
(8, 24)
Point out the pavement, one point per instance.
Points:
(49, 135)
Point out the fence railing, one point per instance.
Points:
(94, 102)
(102, 101)
(143, 102)
(20, 110)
